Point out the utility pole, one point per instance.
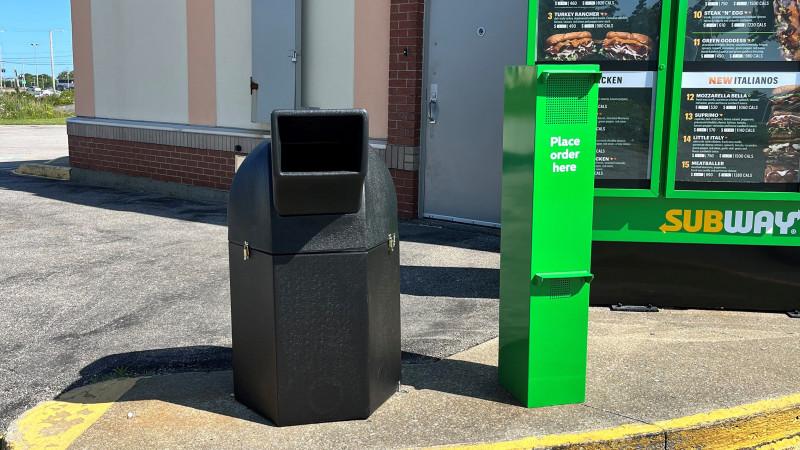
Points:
(52, 67)
(36, 62)
(2, 84)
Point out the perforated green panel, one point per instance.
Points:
(567, 101)
(560, 287)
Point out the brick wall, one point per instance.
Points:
(197, 167)
(405, 90)
(406, 183)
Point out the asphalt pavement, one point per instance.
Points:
(101, 284)
(96, 280)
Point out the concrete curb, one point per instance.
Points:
(768, 424)
(44, 171)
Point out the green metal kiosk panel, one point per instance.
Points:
(558, 336)
(548, 174)
(631, 108)
(519, 127)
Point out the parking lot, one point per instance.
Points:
(96, 280)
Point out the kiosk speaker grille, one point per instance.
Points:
(567, 101)
(560, 287)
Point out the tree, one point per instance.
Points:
(66, 75)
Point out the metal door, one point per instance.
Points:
(276, 57)
(468, 45)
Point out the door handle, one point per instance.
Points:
(433, 106)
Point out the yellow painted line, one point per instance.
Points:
(743, 426)
(768, 422)
(784, 444)
(56, 424)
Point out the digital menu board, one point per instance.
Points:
(622, 37)
(739, 127)
(741, 30)
(624, 128)
(599, 30)
(739, 117)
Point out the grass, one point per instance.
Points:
(20, 108)
(50, 121)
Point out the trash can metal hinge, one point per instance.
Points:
(392, 242)
(246, 251)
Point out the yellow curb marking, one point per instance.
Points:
(785, 444)
(778, 423)
(57, 423)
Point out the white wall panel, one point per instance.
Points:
(328, 37)
(140, 60)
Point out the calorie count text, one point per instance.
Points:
(724, 19)
(740, 3)
(709, 140)
(568, 3)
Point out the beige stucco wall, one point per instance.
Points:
(140, 60)
(371, 77)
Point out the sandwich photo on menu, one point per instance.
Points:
(783, 162)
(782, 156)
(569, 47)
(783, 125)
(626, 46)
(785, 99)
(787, 28)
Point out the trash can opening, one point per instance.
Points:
(319, 161)
(321, 144)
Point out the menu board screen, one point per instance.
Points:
(742, 30)
(739, 128)
(599, 30)
(739, 124)
(624, 126)
(622, 37)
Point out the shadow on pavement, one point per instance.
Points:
(115, 200)
(201, 378)
(457, 282)
(464, 378)
(429, 231)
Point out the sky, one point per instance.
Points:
(23, 22)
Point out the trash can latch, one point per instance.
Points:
(392, 242)
(246, 251)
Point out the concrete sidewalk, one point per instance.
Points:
(672, 379)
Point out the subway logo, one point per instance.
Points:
(732, 222)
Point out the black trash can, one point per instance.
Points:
(314, 266)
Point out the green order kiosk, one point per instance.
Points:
(697, 200)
